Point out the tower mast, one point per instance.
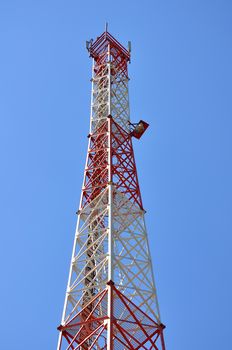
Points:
(111, 300)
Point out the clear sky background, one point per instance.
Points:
(181, 74)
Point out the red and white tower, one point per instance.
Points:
(111, 301)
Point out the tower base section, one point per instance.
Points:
(111, 314)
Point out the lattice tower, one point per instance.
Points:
(111, 300)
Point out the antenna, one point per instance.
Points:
(106, 27)
(88, 44)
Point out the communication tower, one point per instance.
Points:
(111, 300)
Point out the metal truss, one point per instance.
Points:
(111, 300)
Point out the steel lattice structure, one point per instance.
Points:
(111, 300)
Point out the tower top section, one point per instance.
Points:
(109, 81)
(104, 43)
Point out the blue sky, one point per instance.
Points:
(181, 75)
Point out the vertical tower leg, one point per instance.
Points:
(110, 334)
